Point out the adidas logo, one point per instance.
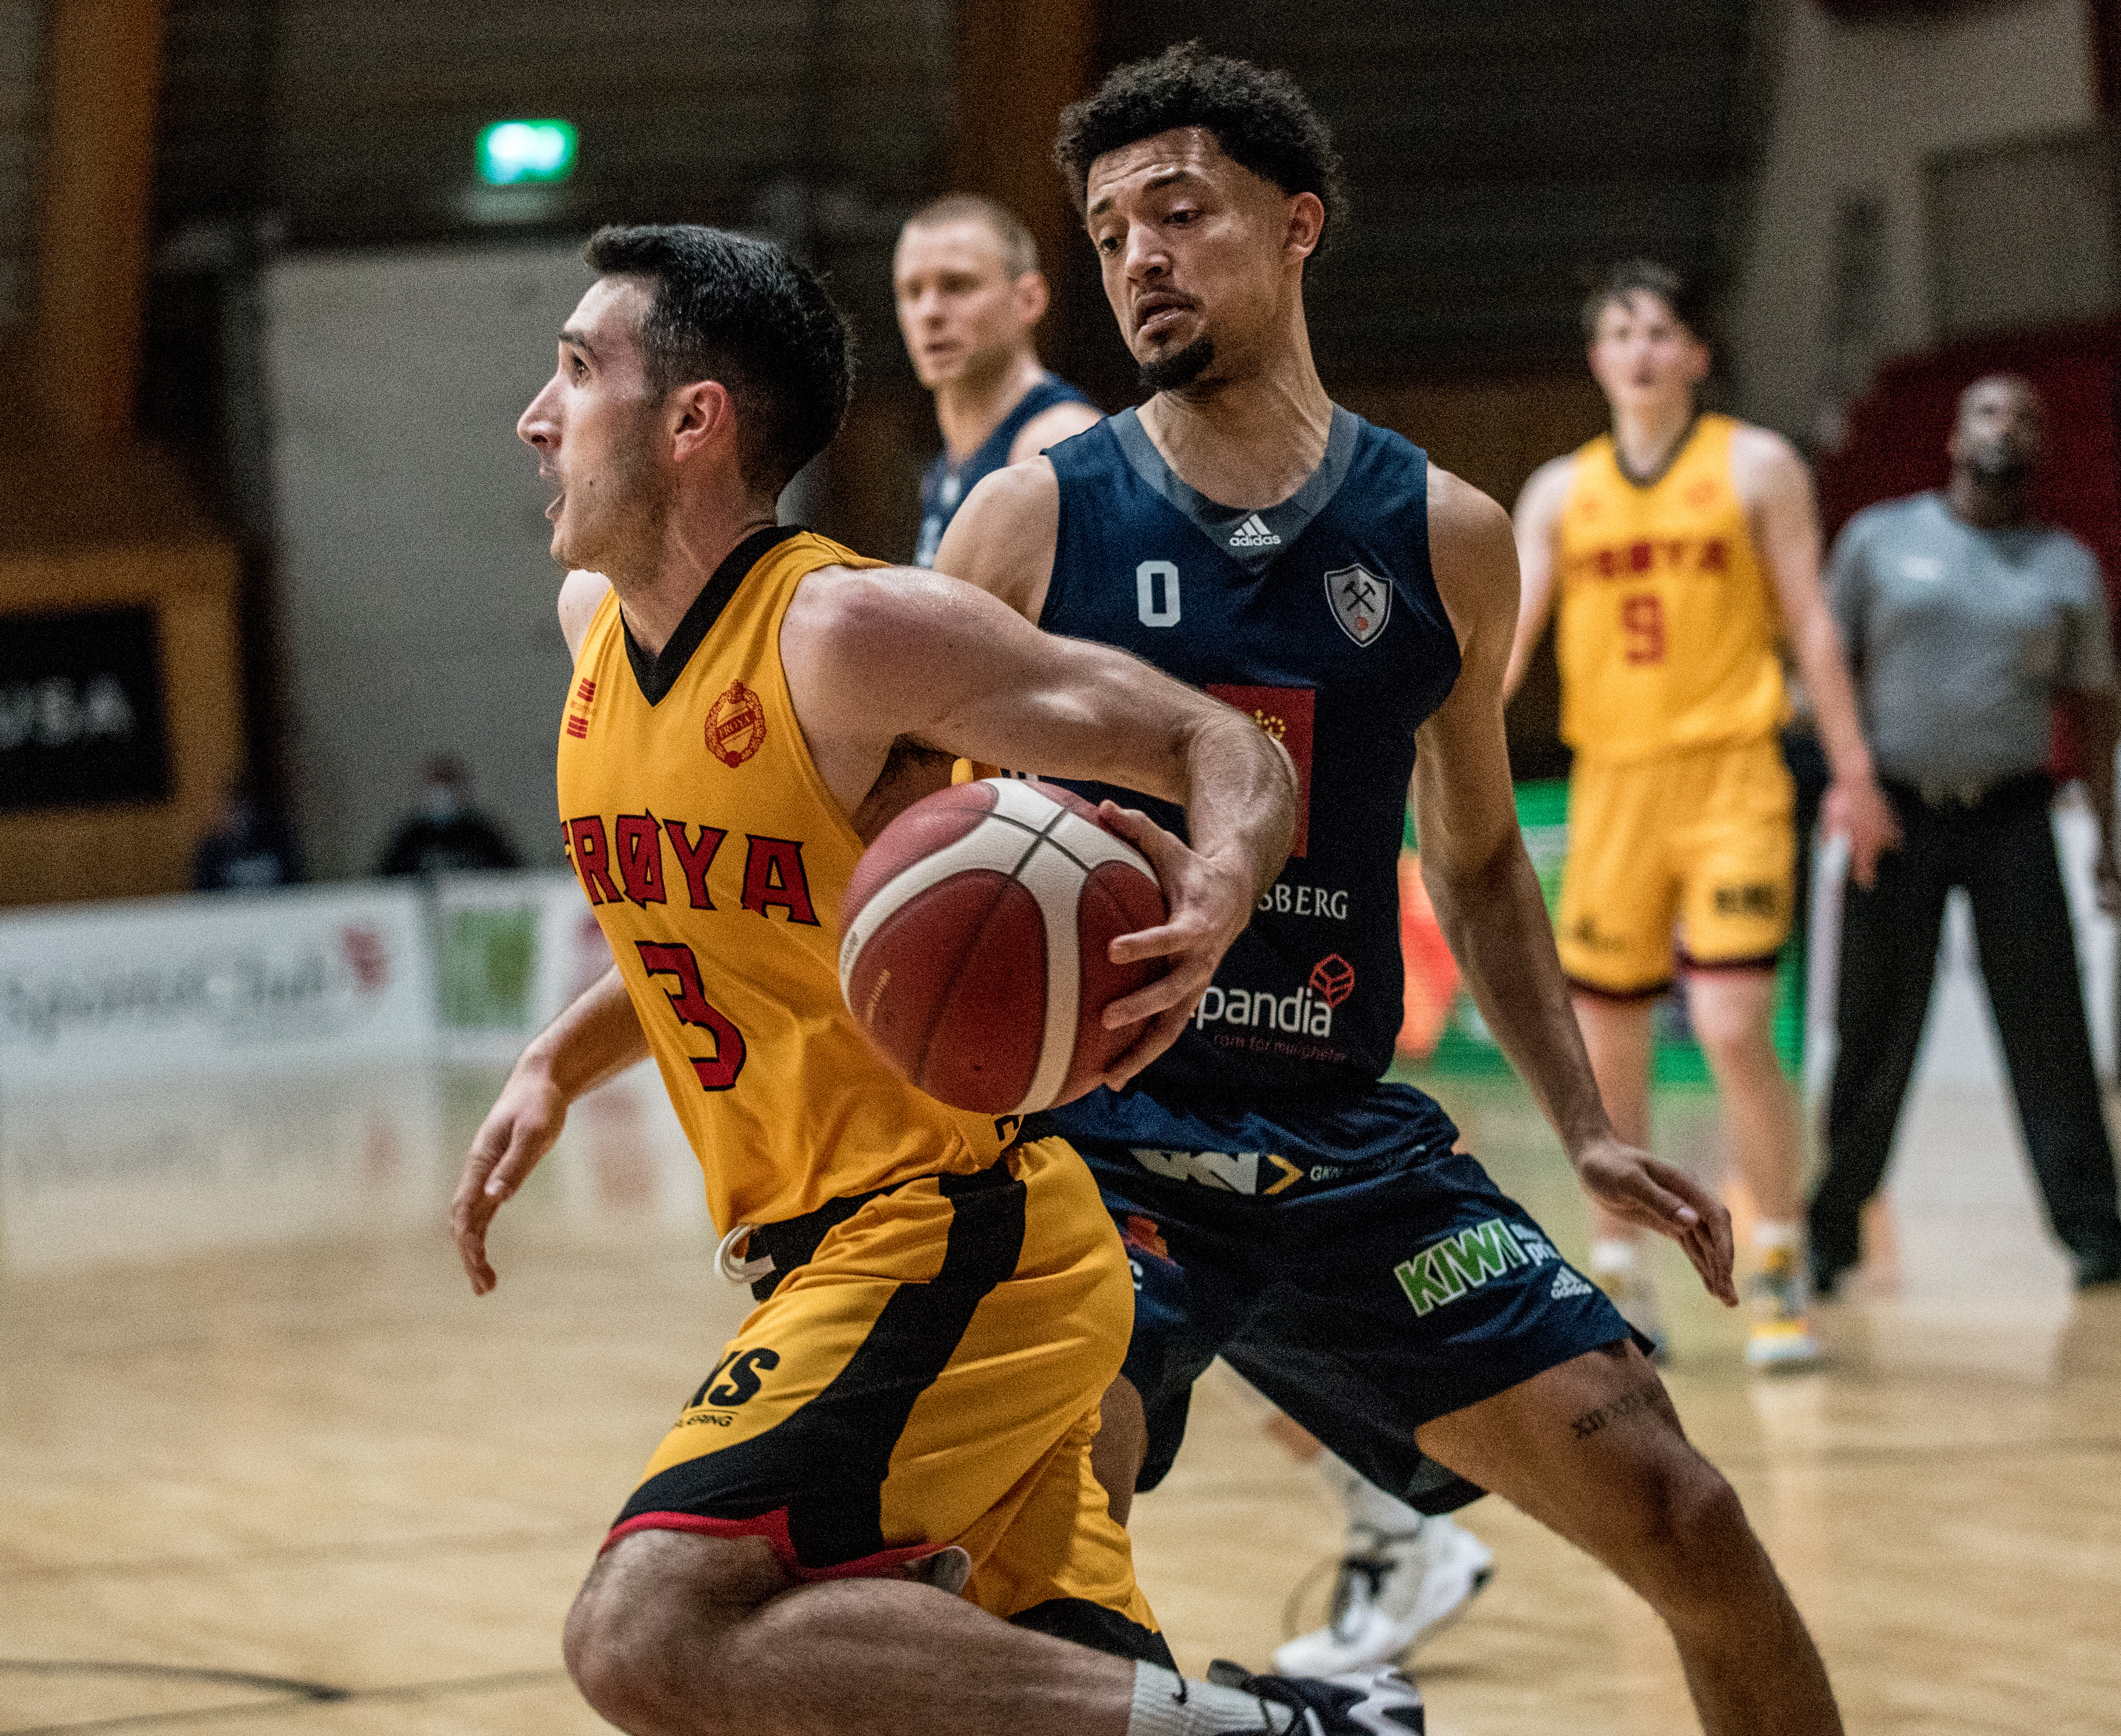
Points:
(1254, 533)
(1567, 1283)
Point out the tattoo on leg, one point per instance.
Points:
(1648, 1396)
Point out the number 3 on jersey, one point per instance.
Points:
(1642, 619)
(689, 1001)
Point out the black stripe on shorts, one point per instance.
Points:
(825, 1464)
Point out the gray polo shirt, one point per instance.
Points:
(1960, 637)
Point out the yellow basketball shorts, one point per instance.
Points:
(927, 1374)
(1700, 842)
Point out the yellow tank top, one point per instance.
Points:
(1668, 626)
(715, 857)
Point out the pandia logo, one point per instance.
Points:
(1305, 1012)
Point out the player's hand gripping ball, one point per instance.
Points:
(975, 957)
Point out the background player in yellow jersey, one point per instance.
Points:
(909, 1411)
(1682, 549)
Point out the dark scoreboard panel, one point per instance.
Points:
(83, 716)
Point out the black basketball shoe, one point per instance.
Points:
(1368, 1702)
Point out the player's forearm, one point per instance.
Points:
(1240, 796)
(1536, 603)
(1825, 671)
(596, 1037)
(1495, 921)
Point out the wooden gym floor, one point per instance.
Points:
(267, 1466)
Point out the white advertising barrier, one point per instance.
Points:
(511, 950)
(306, 976)
(1959, 1043)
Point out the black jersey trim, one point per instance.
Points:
(1274, 529)
(658, 672)
(1645, 483)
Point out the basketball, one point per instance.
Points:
(974, 957)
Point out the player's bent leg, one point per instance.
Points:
(1121, 1445)
(1732, 1012)
(1593, 1449)
(680, 1634)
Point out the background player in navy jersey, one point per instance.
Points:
(970, 295)
(1285, 1209)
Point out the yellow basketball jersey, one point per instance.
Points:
(1668, 626)
(716, 857)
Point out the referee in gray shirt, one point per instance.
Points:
(1966, 625)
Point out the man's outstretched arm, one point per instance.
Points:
(597, 1037)
(1488, 899)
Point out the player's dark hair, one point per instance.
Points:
(1632, 277)
(1258, 116)
(740, 311)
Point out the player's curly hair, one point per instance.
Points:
(740, 311)
(1258, 116)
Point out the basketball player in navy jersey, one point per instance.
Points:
(970, 295)
(1284, 1208)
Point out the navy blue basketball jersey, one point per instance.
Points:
(943, 489)
(1320, 619)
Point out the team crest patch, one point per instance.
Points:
(1361, 601)
(736, 725)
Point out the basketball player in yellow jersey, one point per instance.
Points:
(1682, 549)
(908, 1412)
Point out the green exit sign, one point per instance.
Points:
(522, 153)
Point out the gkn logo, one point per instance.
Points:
(1229, 1172)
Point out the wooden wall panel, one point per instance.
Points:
(134, 848)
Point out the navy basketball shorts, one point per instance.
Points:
(1340, 1256)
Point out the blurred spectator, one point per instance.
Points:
(1967, 624)
(446, 832)
(248, 848)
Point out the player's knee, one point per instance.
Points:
(1689, 1546)
(609, 1643)
(640, 1640)
(1734, 1035)
(1119, 1446)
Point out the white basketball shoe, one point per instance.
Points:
(1370, 1702)
(1395, 1590)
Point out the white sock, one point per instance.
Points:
(1612, 1253)
(1368, 1505)
(1168, 1704)
(1769, 1235)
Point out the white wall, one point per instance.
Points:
(1857, 108)
(418, 591)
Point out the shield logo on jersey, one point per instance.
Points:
(1361, 601)
(736, 725)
